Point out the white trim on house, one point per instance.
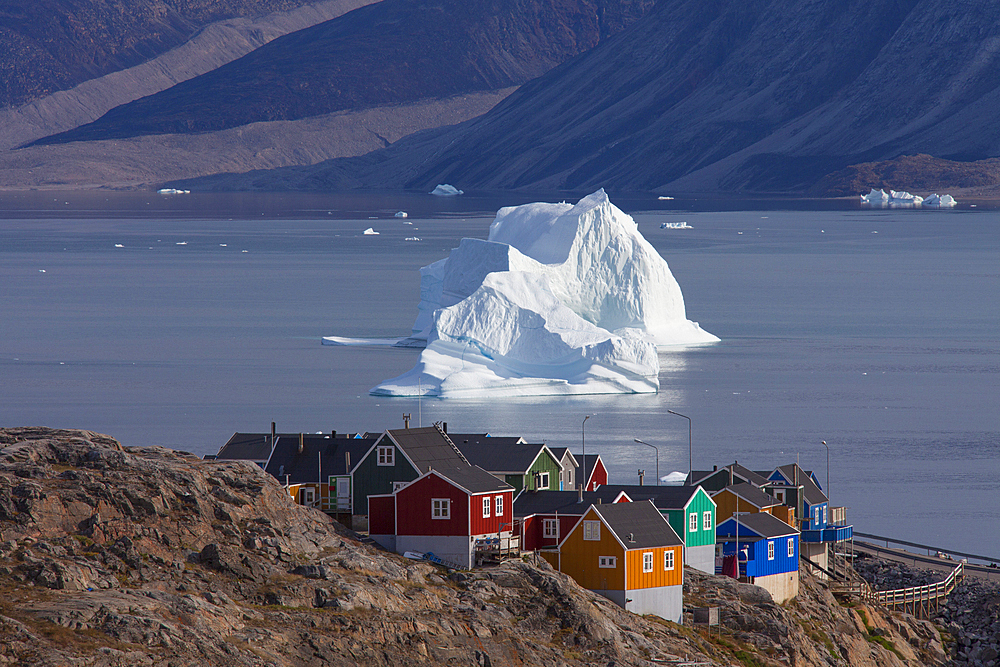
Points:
(487, 506)
(440, 508)
(770, 549)
(592, 531)
(693, 522)
(550, 529)
(706, 520)
(647, 561)
(668, 559)
(607, 561)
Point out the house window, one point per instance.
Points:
(607, 561)
(440, 508)
(791, 548)
(386, 456)
(550, 528)
(307, 496)
(486, 507)
(706, 520)
(647, 561)
(693, 522)
(499, 506)
(543, 480)
(770, 550)
(824, 514)
(668, 559)
(592, 530)
(780, 495)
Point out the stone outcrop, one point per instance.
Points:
(144, 556)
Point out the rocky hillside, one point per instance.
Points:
(726, 95)
(122, 556)
(391, 52)
(50, 45)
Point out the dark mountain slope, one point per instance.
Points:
(395, 51)
(50, 45)
(735, 95)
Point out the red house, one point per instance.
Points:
(456, 514)
(594, 472)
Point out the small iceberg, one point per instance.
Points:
(665, 198)
(674, 479)
(445, 190)
(360, 342)
(370, 232)
(401, 214)
(412, 238)
(940, 201)
(892, 199)
(172, 191)
(119, 245)
(675, 225)
(181, 243)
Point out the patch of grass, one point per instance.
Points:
(748, 659)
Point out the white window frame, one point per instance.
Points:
(498, 506)
(693, 522)
(550, 529)
(825, 519)
(307, 496)
(592, 531)
(770, 549)
(668, 559)
(440, 508)
(706, 520)
(543, 480)
(647, 561)
(791, 547)
(487, 504)
(386, 455)
(779, 495)
(607, 561)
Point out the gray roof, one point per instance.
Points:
(246, 447)
(563, 502)
(664, 497)
(321, 455)
(428, 447)
(764, 524)
(751, 476)
(812, 493)
(485, 439)
(501, 458)
(638, 525)
(751, 494)
(474, 479)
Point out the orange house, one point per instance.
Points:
(628, 553)
(746, 499)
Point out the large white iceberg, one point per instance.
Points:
(560, 299)
(895, 199)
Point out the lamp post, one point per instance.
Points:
(583, 440)
(827, 468)
(690, 449)
(656, 449)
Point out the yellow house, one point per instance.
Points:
(628, 553)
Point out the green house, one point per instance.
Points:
(690, 511)
(399, 457)
(530, 467)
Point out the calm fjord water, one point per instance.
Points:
(876, 331)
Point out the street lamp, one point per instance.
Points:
(827, 468)
(690, 450)
(657, 458)
(583, 439)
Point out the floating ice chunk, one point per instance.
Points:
(675, 225)
(370, 232)
(401, 214)
(412, 238)
(875, 197)
(561, 299)
(445, 190)
(904, 199)
(119, 245)
(181, 243)
(172, 191)
(940, 201)
(367, 342)
(674, 479)
(665, 198)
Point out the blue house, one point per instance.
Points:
(763, 550)
(821, 525)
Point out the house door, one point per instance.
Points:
(343, 493)
(307, 496)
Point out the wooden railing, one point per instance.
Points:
(917, 600)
